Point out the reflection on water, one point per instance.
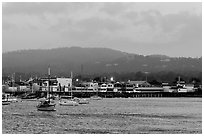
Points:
(113, 115)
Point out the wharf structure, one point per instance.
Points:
(63, 86)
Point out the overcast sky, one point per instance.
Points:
(173, 29)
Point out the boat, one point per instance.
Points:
(67, 101)
(96, 97)
(13, 100)
(81, 100)
(47, 105)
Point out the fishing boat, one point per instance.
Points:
(47, 105)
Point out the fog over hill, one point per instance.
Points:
(92, 61)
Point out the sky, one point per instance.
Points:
(169, 28)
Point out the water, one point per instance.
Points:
(111, 115)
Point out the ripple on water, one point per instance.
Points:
(108, 116)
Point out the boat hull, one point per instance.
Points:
(29, 99)
(83, 101)
(68, 103)
(51, 108)
(96, 98)
(46, 106)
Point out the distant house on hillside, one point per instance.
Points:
(140, 83)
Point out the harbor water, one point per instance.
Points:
(107, 116)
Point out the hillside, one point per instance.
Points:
(92, 61)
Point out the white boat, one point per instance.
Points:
(96, 97)
(13, 100)
(68, 100)
(68, 103)
(81, 100)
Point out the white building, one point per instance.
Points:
(64, 82)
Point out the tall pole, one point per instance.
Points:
(71, 83)
(49, 84)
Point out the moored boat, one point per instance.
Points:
(96, 97)
(68, 103)
(81, 100)
(13, 100)
(47, 105)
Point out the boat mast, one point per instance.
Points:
(49, 84)
(71, 84)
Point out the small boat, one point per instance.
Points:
(96, 97)
(81, 100)
(46, 106)
(13, 100)
(67, 101)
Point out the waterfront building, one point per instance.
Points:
(190, 87)
(117, 87)
(140, 83)
(110, 87)
(64, 82)
(91, 86)
(103, 87)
